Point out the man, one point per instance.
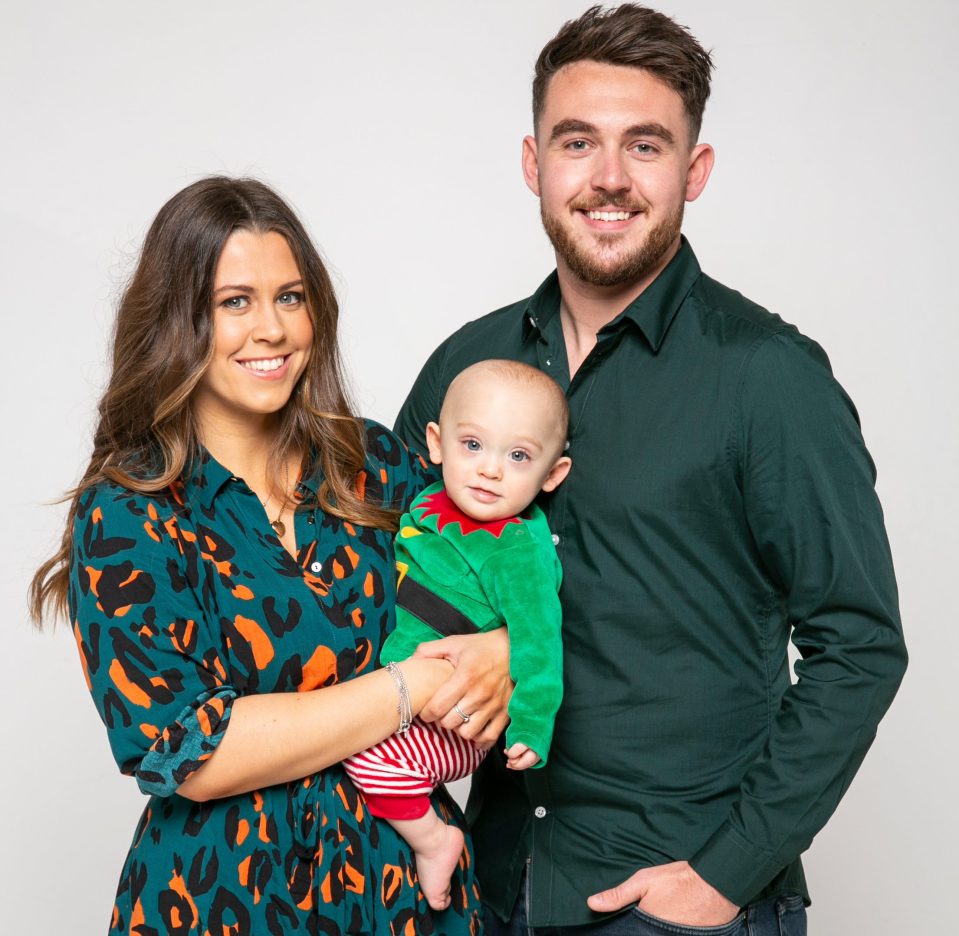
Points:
(721, 500)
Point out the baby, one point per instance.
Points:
(474, 553)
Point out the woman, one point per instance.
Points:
(228, 567)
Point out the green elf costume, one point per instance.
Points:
(460, 575)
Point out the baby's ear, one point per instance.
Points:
(433, 443)
(557, 474)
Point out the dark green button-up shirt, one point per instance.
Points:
(721, 501)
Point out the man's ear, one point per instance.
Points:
(531, 164)
(433, 443)
(701, 161)
(557, 474)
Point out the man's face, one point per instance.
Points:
(613, 165)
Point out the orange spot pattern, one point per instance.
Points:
(177, 597)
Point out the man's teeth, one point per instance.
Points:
(265, 365)
(609, 215)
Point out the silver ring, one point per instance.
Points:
(460, 712)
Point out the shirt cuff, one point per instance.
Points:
(183, 746)
(738, 870)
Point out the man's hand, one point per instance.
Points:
(672, 892)
(520, 757)
(480, 684)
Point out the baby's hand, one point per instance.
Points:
(520, 757)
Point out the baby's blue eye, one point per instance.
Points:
(519, 456)
(472, 445)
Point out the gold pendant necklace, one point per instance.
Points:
(279, 527)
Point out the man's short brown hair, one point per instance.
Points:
(636, 37)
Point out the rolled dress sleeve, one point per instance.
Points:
(808, 491)
(151, 658)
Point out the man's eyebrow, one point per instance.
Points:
(651, 129)
(570, 125)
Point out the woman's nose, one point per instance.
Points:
(268, 325)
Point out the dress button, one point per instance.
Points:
(555, 539)
(316, 567)
(539, 812)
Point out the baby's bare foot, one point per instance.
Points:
(435, 864)
(437, 848)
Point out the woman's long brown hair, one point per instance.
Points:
(163, 343)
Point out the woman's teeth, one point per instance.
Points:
(264, 365)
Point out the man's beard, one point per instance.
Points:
(588, 264)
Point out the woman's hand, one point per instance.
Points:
(480, 685)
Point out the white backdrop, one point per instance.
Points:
(395, 130)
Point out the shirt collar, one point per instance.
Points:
(652, 311)
(205, 476)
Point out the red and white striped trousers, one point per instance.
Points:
(411, 765)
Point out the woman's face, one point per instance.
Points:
(262, 333)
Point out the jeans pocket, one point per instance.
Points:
(791, 914)
(654, 926)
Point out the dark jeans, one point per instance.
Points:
(777, 916)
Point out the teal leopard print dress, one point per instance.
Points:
(185, 600)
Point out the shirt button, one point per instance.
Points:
(539, 812)
(316, 567)
(555, 539)
(566, 446)
(548, 362)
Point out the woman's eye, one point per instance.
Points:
(519, 456)
(290, 298)
(236, 302)
(472, 445)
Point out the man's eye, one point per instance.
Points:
(577, 146)
(518, 455)
(290, 298)
(472, 445)
(644, 149)
(236, 302)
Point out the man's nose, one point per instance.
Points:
(611, 175)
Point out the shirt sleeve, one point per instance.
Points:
(400, 472)
(423, 404)
(522, 588)
(808, 490)
(150, 658)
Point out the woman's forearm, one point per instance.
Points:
(282, 736)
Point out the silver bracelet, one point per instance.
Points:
(403, 707)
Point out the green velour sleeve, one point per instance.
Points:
(522, 587)
(808, 491)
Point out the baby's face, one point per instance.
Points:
(499, 446)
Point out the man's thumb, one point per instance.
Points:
(623, 895)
